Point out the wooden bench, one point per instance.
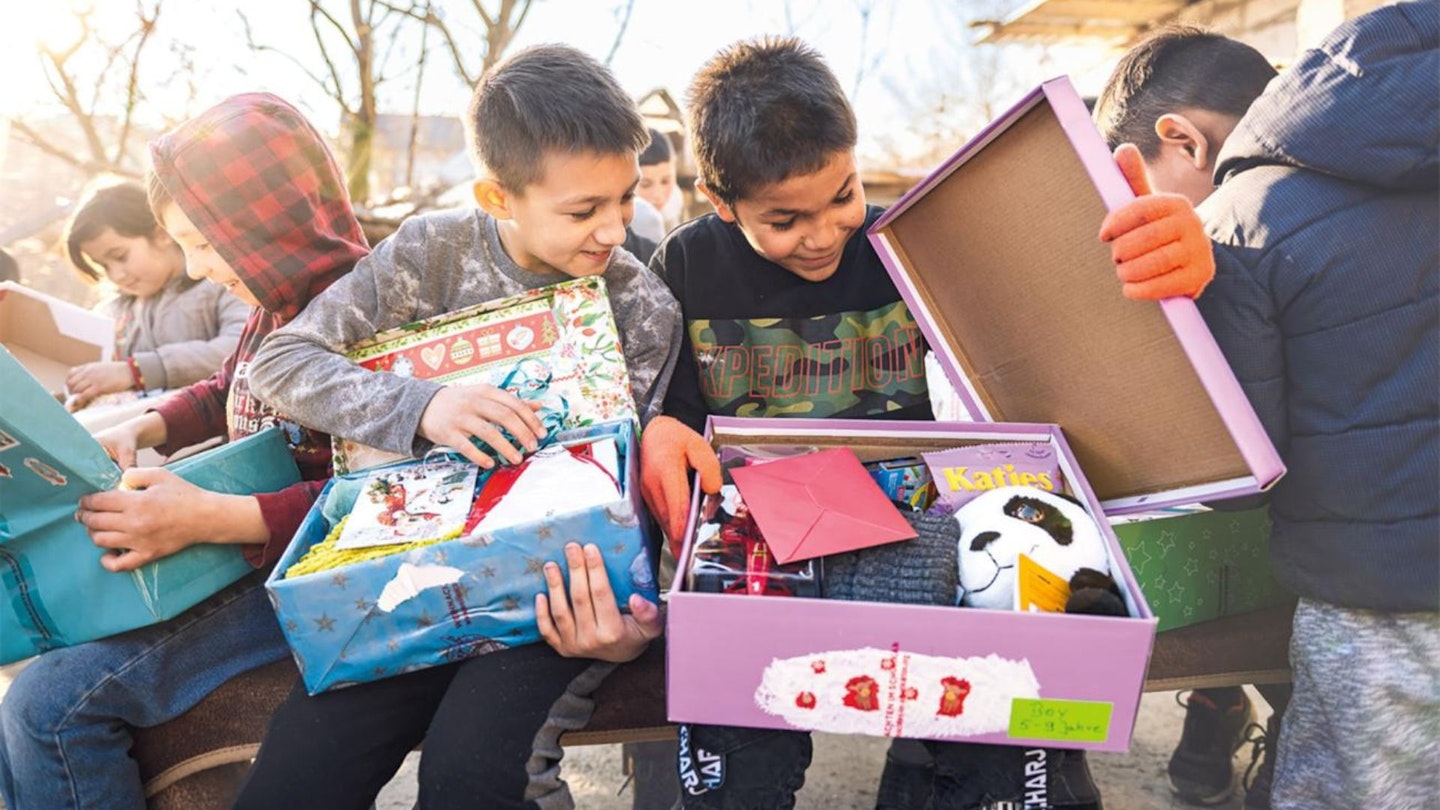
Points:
(199, 759)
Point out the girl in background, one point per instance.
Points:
(170, 330)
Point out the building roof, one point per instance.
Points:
(1055, 20)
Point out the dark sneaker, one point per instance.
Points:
(1202, 769)
(970, 776)
(1260, 775)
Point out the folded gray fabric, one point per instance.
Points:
(913, 572)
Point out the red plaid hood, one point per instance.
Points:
(258, 181)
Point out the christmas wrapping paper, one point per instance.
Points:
(455, 599)
(564, 332)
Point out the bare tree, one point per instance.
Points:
(865, 60)
(623, 14)
(355, 44)
(956, 89)
(498, 28)
(89, 94)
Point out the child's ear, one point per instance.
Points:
(1179, 132)
(725, 212)
(492, 198)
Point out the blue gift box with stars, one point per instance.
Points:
(471, 595)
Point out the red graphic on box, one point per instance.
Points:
(863, 693)
(952, 702)
(458, 352)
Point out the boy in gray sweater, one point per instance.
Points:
(559, 141)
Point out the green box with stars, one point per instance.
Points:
(453, 600)
(1196, 565)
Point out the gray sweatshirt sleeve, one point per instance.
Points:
(176, 365)
(647, 317)
(301, 369)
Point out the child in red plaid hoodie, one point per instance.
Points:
(253, 196)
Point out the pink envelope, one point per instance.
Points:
(819, 503)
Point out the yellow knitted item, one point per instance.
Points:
(323, 556)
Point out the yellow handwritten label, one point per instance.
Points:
(1038, 589)
(1064, 720)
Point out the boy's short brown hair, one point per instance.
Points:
(1176, 67)
(548, 98)
(763, 110)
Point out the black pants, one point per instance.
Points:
(478, 719)
(730, 768)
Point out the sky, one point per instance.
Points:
(911, 53)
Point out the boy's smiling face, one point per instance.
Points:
(572, 218)
(803, 222)
(201, 260)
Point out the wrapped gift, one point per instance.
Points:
(906, 670)
(562, 337)
(56, 592)
(1197, 565)
(449, 597)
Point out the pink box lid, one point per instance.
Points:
(1149, 403)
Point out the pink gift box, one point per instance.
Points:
(733, 660)
(996, 254)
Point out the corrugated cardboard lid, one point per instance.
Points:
(49, 336)
(997, 256)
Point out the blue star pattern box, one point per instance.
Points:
(432, 600)
(1197, 565)
(55, 592)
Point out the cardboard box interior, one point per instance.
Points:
(876, 448)
(48, 335)
(1002, 251)
(722, 647)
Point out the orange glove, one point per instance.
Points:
(669, 450)
(1157, 241)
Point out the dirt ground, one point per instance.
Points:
(845, 770)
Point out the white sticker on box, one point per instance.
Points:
(893, 694)
(410, 580)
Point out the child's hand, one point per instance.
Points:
(458, 412)
(120, 443)
(90, 380)
(589, 624)
(1157, 240)
(154, 515)
(669, 450)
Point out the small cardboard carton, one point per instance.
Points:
(458, 598)
(48, 335)
(1031, 679)
(996, 254)
(564, 332)
(56, 592)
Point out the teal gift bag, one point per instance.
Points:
(53, 592)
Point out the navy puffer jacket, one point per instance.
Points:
(1325, 303)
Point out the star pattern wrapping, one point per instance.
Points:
(334, 621)
(1199, 566)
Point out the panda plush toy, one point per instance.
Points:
(1053, 530)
